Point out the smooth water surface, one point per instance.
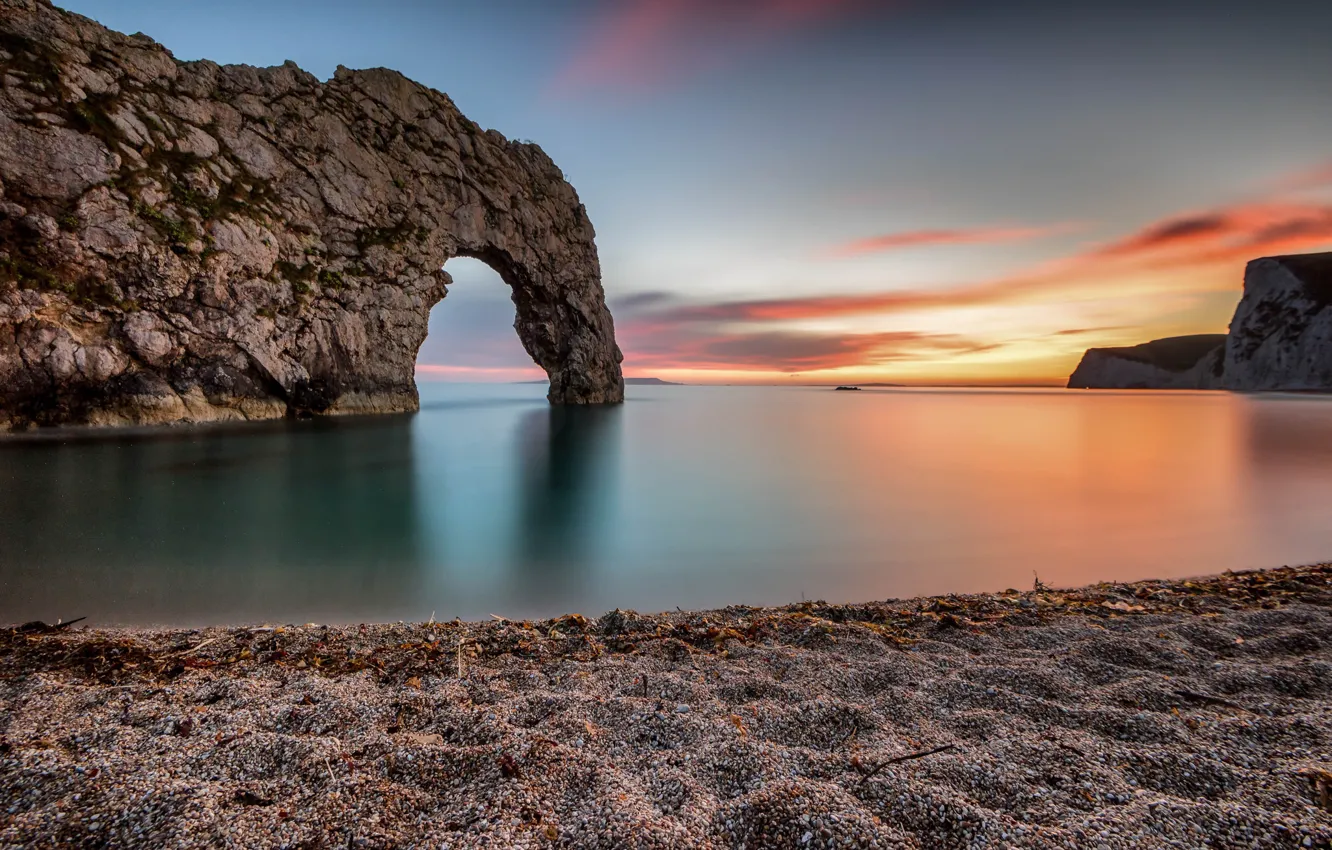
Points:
(490, 501)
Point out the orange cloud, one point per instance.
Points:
(931, 238)
(642, 42)
(1228, 236)
(1241, 232)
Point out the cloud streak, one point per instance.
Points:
(934, 238)
(673, 347)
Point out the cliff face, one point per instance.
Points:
(1281, 336)
(1176, 363)
(182, 241)
(1280, 339)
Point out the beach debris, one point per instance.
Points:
(1126, 607)
(867, 773)
(739, 723)
(249, 798)
(39, 628)
(1208, 699)
(1321, 780)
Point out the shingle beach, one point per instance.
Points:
(1156, 714)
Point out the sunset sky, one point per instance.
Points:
(859, 190)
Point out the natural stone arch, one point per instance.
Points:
(189, 242)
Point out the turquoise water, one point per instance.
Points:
(491, 502)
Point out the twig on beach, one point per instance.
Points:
(920, 755)
(461, 643)
(196, 647)
(855, 729)
(866, 776)
(1207, 699)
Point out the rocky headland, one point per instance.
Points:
(1279, 339)
(189, 242)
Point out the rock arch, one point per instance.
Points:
(184, 241)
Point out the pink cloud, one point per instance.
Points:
(1317, 177)
(638, 43)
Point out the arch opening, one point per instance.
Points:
(471, 335)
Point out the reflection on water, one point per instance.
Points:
(562, 452)
(491, 501)
(276, 521)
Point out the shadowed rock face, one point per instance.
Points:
(1280, 339)
(1175, 363)
(188, 242)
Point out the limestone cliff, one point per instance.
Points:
(1280, 339)
(1281, 336)
(1174, 363)
(184, 242)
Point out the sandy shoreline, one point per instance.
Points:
(1155, 714)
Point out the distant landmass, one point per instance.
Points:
(1280, 339)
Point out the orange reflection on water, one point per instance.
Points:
(981, 489)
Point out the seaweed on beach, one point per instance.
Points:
(399, 652)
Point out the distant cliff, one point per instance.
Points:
(1280, 339)
(1175, 363)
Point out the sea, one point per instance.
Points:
(490, 502)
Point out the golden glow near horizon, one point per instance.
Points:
(1179, 275)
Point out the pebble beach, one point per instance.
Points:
(1156, 714)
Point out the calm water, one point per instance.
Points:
(489, 501)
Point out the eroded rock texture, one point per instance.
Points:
(187, 242)
(1281, 336)
(1280, 339)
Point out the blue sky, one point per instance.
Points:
(733, 152)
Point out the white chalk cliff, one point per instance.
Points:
(1280, 339)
